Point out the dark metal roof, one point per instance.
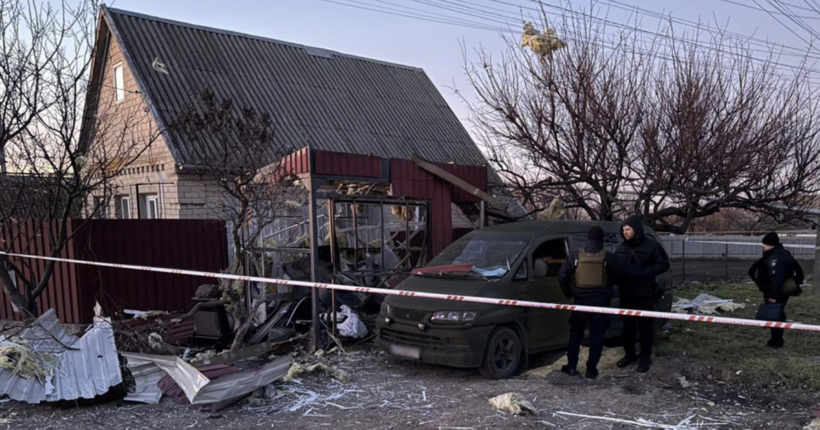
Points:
(318, 98)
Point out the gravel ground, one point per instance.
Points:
(385, 393)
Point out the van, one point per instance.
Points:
(517, 261)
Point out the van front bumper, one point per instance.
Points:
(457, 347)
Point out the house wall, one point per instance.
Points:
(128, 129)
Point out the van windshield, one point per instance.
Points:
(490, 256)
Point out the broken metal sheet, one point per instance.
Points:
(198, 388)
(187, 377)
(146, 377)
(83, 367)
(706, 304)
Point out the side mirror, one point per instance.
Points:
(540, 268)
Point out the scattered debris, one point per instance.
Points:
(68, 367)
(352, 325)
(814, 425)
(640, 422)
(684, 383)
(297, 369)
(706, 304)
(514, 403)
(542, 44)
(230, 384)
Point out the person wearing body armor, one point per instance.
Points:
(640, 259)
(583, 277)
(777, 275)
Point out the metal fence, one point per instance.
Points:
(727, 257)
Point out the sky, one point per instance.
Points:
(439, 48)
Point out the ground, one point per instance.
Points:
(720, 377)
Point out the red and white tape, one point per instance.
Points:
(449, 297)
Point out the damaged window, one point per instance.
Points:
(611, 241)
(490, 257)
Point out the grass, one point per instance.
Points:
(744, 348)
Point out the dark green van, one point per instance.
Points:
(517, 261)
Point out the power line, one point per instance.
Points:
(700, 26)
(446, 19)
(758, 8)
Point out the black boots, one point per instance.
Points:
(569, 370)
(627, 360)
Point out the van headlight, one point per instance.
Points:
(453, 316)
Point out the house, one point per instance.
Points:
(330, 104)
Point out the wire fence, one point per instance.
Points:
(706, 258)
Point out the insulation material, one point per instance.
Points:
(542, 44)
(514, 403)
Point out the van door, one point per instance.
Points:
(548, 327)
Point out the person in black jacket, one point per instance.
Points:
(771, 273)
(640, 259)
(588, 295)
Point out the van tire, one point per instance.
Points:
(502, 355)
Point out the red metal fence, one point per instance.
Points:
(73, 290)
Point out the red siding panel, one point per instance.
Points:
(73, 289)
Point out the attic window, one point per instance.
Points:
(119, 83)
(318, 52)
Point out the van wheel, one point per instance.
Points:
(503, 354)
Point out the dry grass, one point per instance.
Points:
(744, 348)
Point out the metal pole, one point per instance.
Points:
(683, 281)
(314, 265)
(331, 227)
(726, 260)
(483, 222)
(407, 233)
(381, 232)
(816, 277)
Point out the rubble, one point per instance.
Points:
(297, 369)
(514, 403)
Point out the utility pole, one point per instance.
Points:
(816, 272)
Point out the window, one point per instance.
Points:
(100, 209)
(123, 207)
(553, 252)
(149, 206)
(491, 255)
(119, 84)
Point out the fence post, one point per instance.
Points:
(683, 275)
(816, 278)
(726, 260)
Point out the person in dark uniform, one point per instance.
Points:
(583, 277)
(640, 259)
(777, 275)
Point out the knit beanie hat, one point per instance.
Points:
(595, 234)
(771, 239)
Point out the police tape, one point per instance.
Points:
(448, 297)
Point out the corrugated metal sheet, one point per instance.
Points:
(72, 291)
(333, 102)
(87, 370)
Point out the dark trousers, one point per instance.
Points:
(633, 326)
(598, 324)
(777, 333)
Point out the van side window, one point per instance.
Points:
(521, 274)
(553, 253)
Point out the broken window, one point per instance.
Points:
(490, 256)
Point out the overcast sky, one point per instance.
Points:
(437, 47)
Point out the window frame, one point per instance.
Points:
(119, 212)
(119, 83)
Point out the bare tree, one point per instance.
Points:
(50, 171)
(618, 122)
(251, 191)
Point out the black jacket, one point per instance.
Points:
(639, 262)
(566, 276)
(774, 269)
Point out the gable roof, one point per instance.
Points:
(315, 97)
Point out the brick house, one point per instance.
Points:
(328, 101)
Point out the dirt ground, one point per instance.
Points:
(386, 393)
